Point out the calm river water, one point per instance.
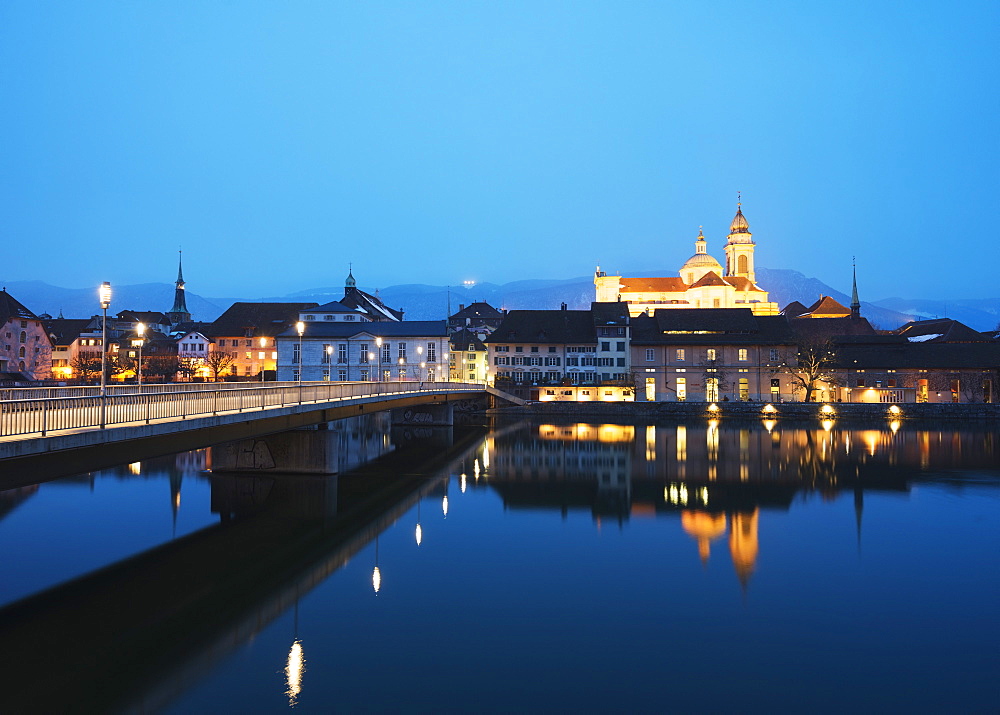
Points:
(527, 567)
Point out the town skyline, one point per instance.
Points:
(424, 143)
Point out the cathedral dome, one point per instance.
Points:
(702, 260)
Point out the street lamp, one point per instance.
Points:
(378, 352)
(263, 344)
(104, 294)
(300, 327)
(371, 358)
(140, 330)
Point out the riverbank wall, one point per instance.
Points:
(794, 411)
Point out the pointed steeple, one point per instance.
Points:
(350, 282)
(700, 244)
(855, 303)
(179, 312)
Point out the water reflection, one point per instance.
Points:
(717, 477)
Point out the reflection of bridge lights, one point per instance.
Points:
(475, 468)
(894, 410)
(826, 410)
(376, 579)
(894, 426)
(463, 482)
(713, 407)
(704, 495)
(135, 468)
(769, 425)
(827, 425)
(294, 668)
(486, 456)
(419, 534)
(444, 505)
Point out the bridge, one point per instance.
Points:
(45, 430)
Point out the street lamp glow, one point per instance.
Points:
(300, 327)
(140, 330)
(104, 295)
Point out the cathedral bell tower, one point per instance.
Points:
(179, 312)
(739, 248)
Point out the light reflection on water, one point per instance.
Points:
(556, 559)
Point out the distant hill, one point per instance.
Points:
(428, 302)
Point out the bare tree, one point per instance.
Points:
(217, 361)
(164, 366)
(86, 366)
(714, 371)
(815, 363)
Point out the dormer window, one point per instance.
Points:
(310, 317)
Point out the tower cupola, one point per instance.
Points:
(740, 246)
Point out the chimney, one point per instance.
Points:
(563, 306)
(461, 307)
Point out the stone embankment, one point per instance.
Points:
(799, 411)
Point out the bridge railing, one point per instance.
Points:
(67, 412)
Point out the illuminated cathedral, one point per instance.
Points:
(702, 282)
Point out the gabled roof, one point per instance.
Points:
(479, 310)
(940, 330)
(356, 298)
(794, 309)
(545, 326)
(668, 284)
(709, 279)
(826, 307)
(462, 339)
(190, 327)
(386, 329)
(701, 320)
(264, 319)
(609, 313)
(63, 331)
(11, 308)
(334, 306)
(742, 283)
(902, 354)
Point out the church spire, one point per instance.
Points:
(855, 303)
(179, 312)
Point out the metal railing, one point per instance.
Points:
(43, 415)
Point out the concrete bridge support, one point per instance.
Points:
(427, 415)
(311, 451)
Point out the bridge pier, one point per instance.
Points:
(311, 451)
(427, 415)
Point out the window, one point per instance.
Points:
(501, 348)
(552, 348)
(249, 355)
(310, 317)
(742, 355)
(519, 349)
(363, 356)
(650, 355)
(297, 353)
(274, 354)
(342, 375)
(24, 336)
(534, 348)
(620, 345)
(620, 362)
(431, 352)
(710, 354)
(744, 389)
(248, 343)
(402, 373)
(681, 389)
(342, 353)
(605, 347)
(327, 354)
(326, 374)
(328, 317)
(386, 353)
(712, 389)
(402, 351)
(348, 317)
(470, 357)
(679, 356)
(774, 355)
(715, 302)
(295, 375)
(364, 375)
(222, 342)
(861, 382)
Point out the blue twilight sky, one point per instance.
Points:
(442, 141)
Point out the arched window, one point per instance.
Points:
(20, 366)
(741, 262)
(21, 353)
(24, 337)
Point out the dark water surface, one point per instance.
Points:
(540, 567)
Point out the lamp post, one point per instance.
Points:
(104, 295)
(263, 344)
(371, 358)
(140, 330)
(378, 352)
(300, 327)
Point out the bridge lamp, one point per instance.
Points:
(300, 327)
(140, 330)
(104, 295)
(263, 344)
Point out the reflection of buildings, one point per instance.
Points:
(718, 478)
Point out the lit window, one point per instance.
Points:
(743, 354)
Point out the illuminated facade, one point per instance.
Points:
(25, 347)
(701, 283)
(711, 356)
(247, 331)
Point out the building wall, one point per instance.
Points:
(421, 362)
(25, 347)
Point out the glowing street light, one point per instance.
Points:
(104, 295)
(140, 330)
(300, 327)
(263, 344)
(378, 353)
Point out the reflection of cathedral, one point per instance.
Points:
(705, 527)
(702, 282)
